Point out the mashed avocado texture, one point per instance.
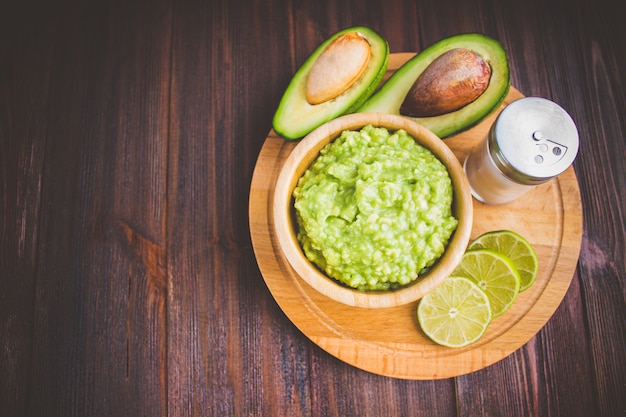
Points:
(374, 210)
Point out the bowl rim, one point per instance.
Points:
(301, 157)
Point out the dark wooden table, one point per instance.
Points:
(129, 132)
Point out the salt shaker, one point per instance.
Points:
(532, 141)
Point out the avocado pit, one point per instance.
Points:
(453, 80)
(338, 67)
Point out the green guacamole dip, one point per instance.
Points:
(374, 210)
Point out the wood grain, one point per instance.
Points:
(81, 109)
(129, 134)
(388, 342)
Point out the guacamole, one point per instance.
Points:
(374, 210)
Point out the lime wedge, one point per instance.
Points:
(516, 247)
(495, 274)
(454, 314)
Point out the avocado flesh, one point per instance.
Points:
(295, 117)
(389, 98)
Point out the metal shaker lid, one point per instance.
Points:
(533, 140)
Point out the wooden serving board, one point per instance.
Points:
(389, 341)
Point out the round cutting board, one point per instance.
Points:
(389, 341)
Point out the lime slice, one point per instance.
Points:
(495, 274)
(454, 314)
(516, 247)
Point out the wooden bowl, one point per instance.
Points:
(307, 150)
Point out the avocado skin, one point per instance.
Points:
(390, 96)
(295, 117)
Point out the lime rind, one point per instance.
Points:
(495, 268)
(516, 248)
(495, 273)
(456, 313)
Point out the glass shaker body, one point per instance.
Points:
(532, 141)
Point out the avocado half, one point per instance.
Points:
(392, 94)
(295, 117)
